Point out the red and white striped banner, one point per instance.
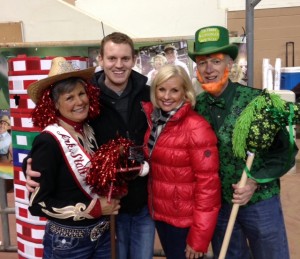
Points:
(23, 215)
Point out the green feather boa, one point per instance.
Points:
(259, 122)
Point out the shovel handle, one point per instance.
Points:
(113, 236)
(235, 209)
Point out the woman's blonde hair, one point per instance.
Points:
(165, 73)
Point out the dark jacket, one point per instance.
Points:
(58, 193)
(110, 124)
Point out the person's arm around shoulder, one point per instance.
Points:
(31, 184)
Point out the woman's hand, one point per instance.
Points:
(190, 253)
(109, 208)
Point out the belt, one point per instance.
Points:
(94, 232)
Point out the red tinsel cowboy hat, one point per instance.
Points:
(60, 69)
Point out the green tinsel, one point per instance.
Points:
(256, 126)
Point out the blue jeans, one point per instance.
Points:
(172, 239)
(60, 247)
(259, 232)
(135, 235)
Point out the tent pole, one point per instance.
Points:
(250, 4)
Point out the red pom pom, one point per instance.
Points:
(108, 166)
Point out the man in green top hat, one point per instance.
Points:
(259, 231)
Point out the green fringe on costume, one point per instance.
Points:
(258, 124)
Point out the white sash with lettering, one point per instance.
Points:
(76, 158)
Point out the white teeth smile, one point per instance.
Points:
(211, 78)
(79, 110)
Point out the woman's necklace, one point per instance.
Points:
(81, 132)
(77, 126)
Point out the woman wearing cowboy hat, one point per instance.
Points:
(259, 231)
(77, 224)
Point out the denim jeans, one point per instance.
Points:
(61, 247)
(172, 239)
(259, 232)
(135, 235)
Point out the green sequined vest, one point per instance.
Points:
(231, 167)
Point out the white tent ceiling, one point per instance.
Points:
(155, 18)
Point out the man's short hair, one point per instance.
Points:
(118, 38)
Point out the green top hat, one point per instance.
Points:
(213, 39)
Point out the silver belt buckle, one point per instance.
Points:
(98, 230)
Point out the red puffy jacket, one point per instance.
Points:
(184, 187)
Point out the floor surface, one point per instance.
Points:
(290, 196)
